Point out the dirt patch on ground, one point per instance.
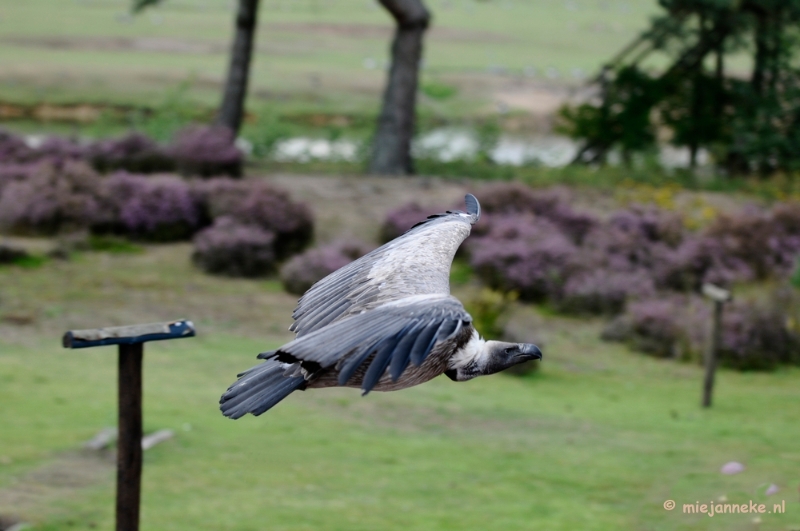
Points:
(534, 100)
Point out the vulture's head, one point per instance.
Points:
(480, 358)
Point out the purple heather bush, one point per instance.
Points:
(59, 150)
(667, 327)
(13, 172)
(403, 218)
(517, 198)
(14, 149)
(206, 151)
(786, 216)
(605, 291)
(632, 240)
(552, 204)
(652, 224)
(52, 198)
(231, 248)
(576, 225)
(754, 337)
(656, 327)
(256, 202)
(158, 207)
(699, 259)
(303, 270)
(526, 254)
(134, 153)
(766, 241)
(757, 338)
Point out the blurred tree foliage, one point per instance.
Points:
(749, 123)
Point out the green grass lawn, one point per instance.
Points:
(597, 440)
(312, 53)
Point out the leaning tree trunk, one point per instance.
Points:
(232, 108)
(391, 151)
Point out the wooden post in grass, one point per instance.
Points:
(129, 443)
(720, 297)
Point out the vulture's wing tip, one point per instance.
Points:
(473, 207)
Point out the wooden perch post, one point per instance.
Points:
(129, 446)
(720, 297)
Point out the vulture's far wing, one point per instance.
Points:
(416, 263)
(395, 334)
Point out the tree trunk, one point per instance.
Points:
(719, 77)
(232, 108)
(391, 151)
(762, 53)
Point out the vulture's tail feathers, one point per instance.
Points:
(259, 388)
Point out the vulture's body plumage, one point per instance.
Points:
(384, 322)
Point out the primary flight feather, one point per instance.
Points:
(384, 322)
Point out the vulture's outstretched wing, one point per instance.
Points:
(393, 335)
(362, 345)
(418, 262)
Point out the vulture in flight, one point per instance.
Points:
(384, 322)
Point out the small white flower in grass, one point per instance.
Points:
(772, 489)
(732, 467)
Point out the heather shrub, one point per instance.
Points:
(303, 270)
(753, 337)
(656, 327)
(757, 338)
(517, 198)
(669, 327)
(12, 172)
(614, 248)
(59, 150)
(699, 259)
(635, 239)
(231, 248)
(158, 208)
(256, 202)
(525, 254)
(650, 223)
(576, 225)
(787, 218)
(133, 152)
(14, 149)
(52, 198)
(206, 151)
(552, 204)
(604, 291)
(401, 219)
(756, 238)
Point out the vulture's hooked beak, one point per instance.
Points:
(530, 352)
